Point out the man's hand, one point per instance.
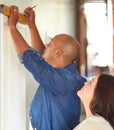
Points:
(30, 16)
(14, 16)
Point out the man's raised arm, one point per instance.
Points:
(35, 36)
(19, 42)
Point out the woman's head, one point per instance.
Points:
(103, 99)
(87, 91)
(98, 95)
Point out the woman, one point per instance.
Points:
(97, 97)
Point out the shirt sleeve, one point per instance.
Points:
(33, 62)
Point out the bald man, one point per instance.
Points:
(55, 105)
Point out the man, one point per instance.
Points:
(55, 105)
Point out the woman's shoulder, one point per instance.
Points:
(94, 123)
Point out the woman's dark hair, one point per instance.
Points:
(103, 99)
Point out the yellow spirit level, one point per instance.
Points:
(6, 11)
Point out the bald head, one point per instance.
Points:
(69, 45)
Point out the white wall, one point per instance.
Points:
(21, 3)
(12, 85)
(56, 17)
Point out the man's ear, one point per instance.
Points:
(58, 52)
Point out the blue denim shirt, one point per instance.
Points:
(55, 105)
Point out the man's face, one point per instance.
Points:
(50, 51)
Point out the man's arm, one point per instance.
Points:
(35, 36)
(19, 42)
